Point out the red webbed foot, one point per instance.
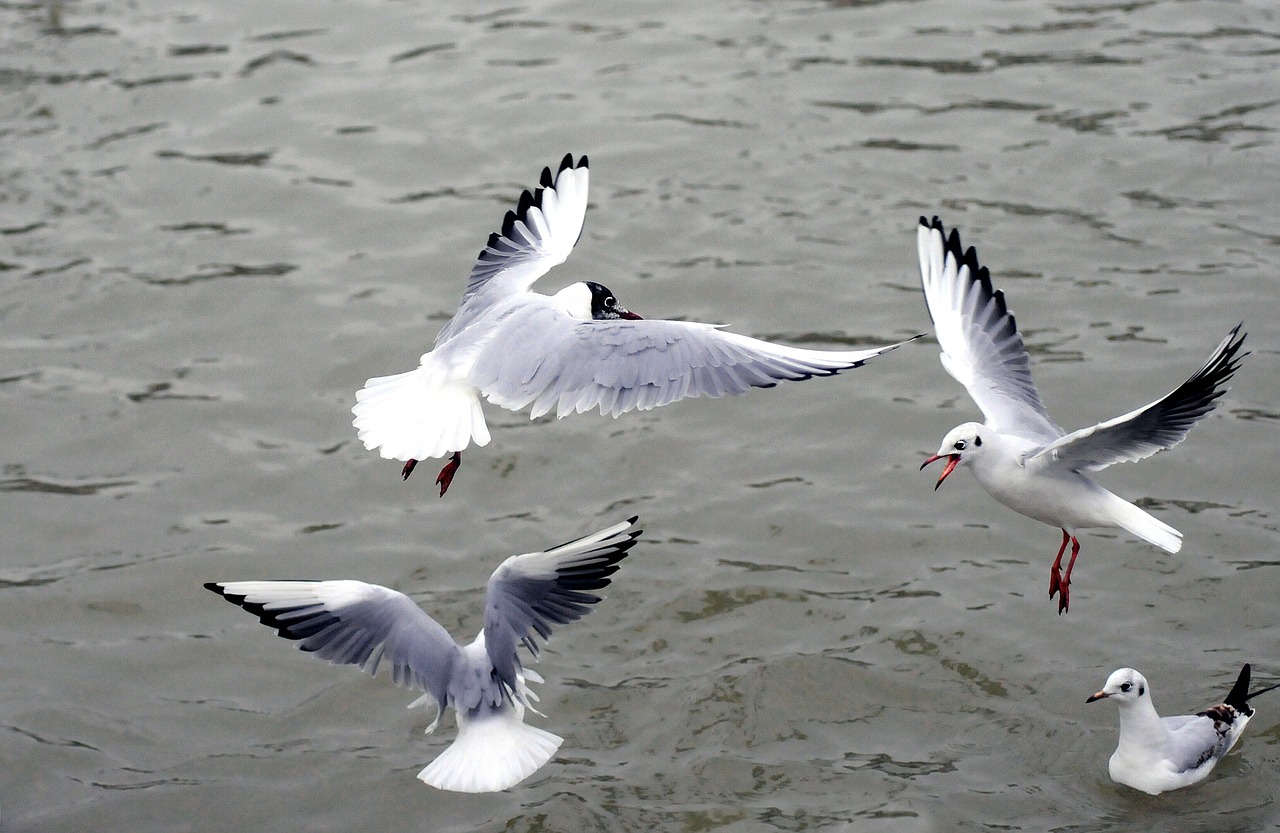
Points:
(446, 474)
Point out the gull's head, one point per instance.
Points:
(605, 306)
(588, 300)
(1125, 686)
(961, 445)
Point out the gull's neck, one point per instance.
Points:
(1142, 734)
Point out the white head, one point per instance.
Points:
(1125, 686)
(961, 445)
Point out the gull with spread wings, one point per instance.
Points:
(1019, 455)
(354, 623)
(573, 351)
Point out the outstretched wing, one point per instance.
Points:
(981, 346)
(538, 235)
(353, 623)
(528, 594)
(1155, 427)
(542, 356)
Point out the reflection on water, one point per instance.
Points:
(219, 219)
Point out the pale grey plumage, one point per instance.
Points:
(542, 357)
(1019, 455)
(571, 352)
(351, 622)
(1151, 428)
(1157, 754)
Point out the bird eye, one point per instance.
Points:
(610, 301)
(959, 446)
(1126, 686)
(977, 441)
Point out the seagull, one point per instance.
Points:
(1019, 455)
(354, 623)
(573, 351)
(1167, 753)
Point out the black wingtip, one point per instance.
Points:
(546, 180)
(566, 163)
(215, 587)
(526, 201)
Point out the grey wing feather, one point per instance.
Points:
(545, 358)
(1155, 427)
(1194, 740)
(528, 594)
(981, 346)
(353, 623)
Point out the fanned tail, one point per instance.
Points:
(492, 752)
(416, 415)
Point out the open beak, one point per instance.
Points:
(623, 312)
(1101, 695)
(953, 460)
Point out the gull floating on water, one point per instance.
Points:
(1019, 455)
(354, 623)
(573, 351)
(1157, 753)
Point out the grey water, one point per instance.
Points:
(217, 219)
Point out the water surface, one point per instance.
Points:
(220, 218)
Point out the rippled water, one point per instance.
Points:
(220, 218)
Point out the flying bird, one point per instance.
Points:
(1157, 754)
(1019, 455)
(573, 351)
(354, 623)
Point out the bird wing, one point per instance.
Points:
(353, 623)
(1194, 740)
(538, 235)
(1151, 428)
(528, 594)
(543, 356)
(981, 346)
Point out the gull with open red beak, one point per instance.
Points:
(953, 460)
(573, 351)
(1019, 455)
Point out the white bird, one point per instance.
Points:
(1157, 753)
(1019, 455)
(575, 350)
(354, 623)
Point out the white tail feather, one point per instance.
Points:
(491, 753)
(416, 415)
(1137, 522)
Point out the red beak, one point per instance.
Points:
(623, 312)
(953, 460)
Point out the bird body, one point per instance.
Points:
(1033, 485)
(1156, 754)
(574, 351)
(350, 622)
(1019, 455)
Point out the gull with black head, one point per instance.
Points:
(573, 351)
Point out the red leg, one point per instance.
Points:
(451, 468)
(1066, 580)
(1055, 577)
(408, 469)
